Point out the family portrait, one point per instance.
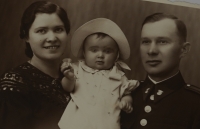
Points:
(106, 64)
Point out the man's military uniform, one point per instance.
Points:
(171, 104)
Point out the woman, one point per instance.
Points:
(31, 96)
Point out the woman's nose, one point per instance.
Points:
(51, 37)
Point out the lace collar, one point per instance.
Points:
(113, 73)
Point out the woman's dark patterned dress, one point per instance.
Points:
(31, 99)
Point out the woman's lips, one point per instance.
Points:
(52, 47)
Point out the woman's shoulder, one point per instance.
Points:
(15, 79)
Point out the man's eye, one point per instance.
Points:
(145, 41)
(42, 31)
(58, 30)
(162, 41)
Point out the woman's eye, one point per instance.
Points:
(58, 30)
(41, 31)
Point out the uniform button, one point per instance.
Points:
(152, 97)
(159, 92)
(188, 84)
(147, 109)
(143, 122)
(147, 90)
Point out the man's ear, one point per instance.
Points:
(185, 48)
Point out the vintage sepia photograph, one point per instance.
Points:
(99, 64)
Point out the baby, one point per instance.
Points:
(98, 85)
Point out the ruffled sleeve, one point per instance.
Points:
(128, 86)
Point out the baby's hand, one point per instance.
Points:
(126, 106)
(67, 69)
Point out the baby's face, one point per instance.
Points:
(100, 53)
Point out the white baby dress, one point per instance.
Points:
(96, 97)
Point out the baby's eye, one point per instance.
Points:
(58, 30)
(107, 51)
(94, 50)
(42, 31)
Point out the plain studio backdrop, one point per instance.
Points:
(128, 14)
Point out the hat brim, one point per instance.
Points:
(101, 25)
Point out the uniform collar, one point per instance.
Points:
(155, 82)
(162, 89)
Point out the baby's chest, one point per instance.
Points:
(97, 88)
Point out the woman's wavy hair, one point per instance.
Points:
(29, 17)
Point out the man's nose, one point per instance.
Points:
(153, 50)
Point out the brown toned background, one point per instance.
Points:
(128, 14)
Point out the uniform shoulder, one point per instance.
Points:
(192, 88)
(141, 81)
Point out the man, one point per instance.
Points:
(163, 100)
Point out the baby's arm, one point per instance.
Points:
(68, 80)
(126, 104)
(126, 100)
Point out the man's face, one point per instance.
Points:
(160, 49)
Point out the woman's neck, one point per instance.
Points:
(49, 67)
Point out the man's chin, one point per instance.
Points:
(152, 71)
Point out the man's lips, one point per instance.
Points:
(153, 62)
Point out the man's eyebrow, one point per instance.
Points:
(93, 47)
(144, 38)
(162, 37)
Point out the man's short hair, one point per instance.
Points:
(181, 27)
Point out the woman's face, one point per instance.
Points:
(47, 37)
